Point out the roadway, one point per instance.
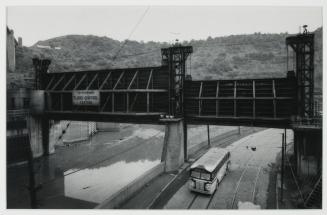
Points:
(251, 179)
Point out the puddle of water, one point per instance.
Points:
(143, 133)
(98, 184)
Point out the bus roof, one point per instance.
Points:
(210, 160)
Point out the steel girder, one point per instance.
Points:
(131, 92)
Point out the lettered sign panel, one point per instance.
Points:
(86, 97)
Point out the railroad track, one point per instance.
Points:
(227, 140)
(238, 183)
(223, 143)
(254, 189)
(196, 195)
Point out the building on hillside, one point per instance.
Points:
(18, 100)
(11, 50)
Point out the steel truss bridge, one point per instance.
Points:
(145, 95)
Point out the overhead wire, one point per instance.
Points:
(131, 33)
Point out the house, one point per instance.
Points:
(11, 50)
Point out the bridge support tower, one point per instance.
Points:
(307, 129)
(176, 129)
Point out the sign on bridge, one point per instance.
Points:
(86, 97)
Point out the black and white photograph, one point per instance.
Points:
(163, 106)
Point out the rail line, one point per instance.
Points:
(232, 206)
(196, 195)
(222, 144)
(191, 203)
(255, 184)
(239, 182)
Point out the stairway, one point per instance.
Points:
(314, 199)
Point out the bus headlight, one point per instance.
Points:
(207, 186)
(192, 183)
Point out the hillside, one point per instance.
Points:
(236, 56)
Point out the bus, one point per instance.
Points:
(207, 172)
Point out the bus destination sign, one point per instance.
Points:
(86, 97)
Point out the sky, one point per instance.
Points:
(157, 23)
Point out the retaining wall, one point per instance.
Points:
(128, 191)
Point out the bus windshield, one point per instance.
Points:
(200, 175)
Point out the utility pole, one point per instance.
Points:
(31, 186)
(208, 129)
(282, 168)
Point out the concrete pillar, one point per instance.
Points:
(307, 151)
(39, 125)
(173, 149)
(35, 129)
(39, 136)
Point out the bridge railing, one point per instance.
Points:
(308, 122)
(258, 98)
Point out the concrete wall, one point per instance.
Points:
(35, 125)
(198, 134)
(76, 131)
(128, 191)
(107, 126)
(66, 132)
(223, 134)
(41, 144)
